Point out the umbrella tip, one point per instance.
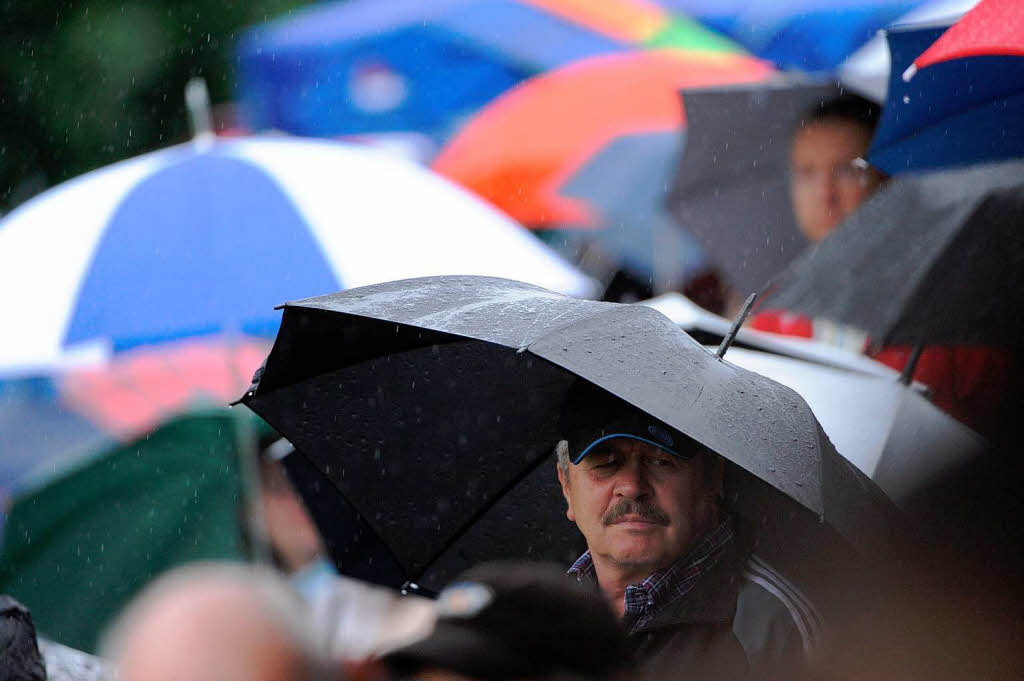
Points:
(909, 73)
(197, 100)
(736, 324)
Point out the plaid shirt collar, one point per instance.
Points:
(646, 599)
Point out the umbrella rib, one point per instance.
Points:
(483, 510)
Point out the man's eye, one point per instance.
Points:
(662, 461)
(606, 461)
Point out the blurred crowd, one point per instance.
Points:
(677, 572)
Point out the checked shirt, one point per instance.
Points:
(646, 599)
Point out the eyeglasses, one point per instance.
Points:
(855, 173)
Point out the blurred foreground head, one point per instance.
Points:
(505, 621)
(827, 182)
(215, 622)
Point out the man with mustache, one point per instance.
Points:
(667, 555)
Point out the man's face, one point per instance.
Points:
(825, 186)
(638, 506)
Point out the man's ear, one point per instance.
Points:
(565, 493)
(717, 474)
(714, 480)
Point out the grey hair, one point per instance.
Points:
(562, 454)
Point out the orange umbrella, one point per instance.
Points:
(520, 149)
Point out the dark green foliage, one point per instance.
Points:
(84, 84)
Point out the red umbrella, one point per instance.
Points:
(992, 28)
(143, 387)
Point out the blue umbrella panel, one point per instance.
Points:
(809, 35)
(367, 66)
(207, 223)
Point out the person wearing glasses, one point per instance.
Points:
(829, 180)
(828, 176)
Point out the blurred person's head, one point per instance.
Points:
(292, 534)
(215, 622)
(642, 493)
(505, 621)
(828, 178)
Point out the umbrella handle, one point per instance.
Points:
(736, 324)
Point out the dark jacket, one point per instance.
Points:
(742, 620)
(19, 653)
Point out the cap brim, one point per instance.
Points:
(464, 651)
(586, 450)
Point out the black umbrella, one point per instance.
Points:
(432, 406)
(732, 190)
(933, 258)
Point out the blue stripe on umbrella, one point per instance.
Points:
(205, 245)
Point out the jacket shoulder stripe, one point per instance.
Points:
(806, 636)
(803, 614)
(757, 564)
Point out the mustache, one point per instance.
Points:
(647, 512)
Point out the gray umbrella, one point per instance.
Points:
(887, 429)
(931, 258)
(431, 405)
(732, 191)
(627, 182)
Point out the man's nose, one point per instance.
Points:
(830, 187)
(632, 481)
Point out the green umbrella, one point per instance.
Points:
(77, 547)
(682, 32)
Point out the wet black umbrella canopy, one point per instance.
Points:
(931, 258)
(432, 405)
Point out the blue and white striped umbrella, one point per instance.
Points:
(210, 235)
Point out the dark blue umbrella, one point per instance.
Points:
(950, 114)
(811, 35)
(369, 66)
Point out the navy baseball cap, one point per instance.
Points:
(592, 416)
